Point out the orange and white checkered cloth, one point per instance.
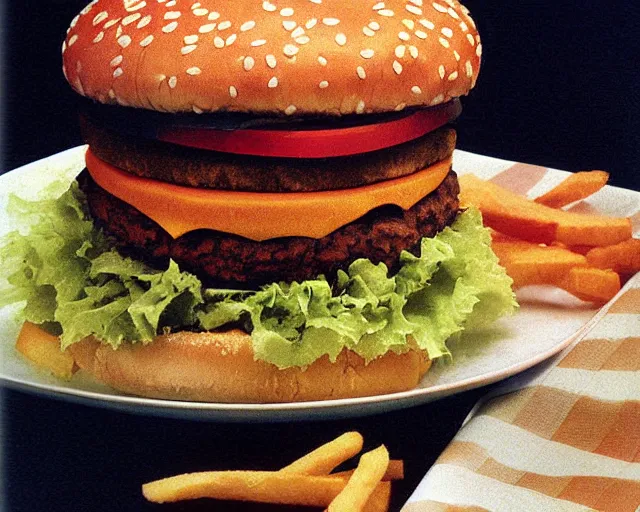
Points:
(564, 436)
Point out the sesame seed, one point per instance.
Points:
(233, 92)
(413, 51)
(400, 106)
(427, 24)
(409, 24)
(323, 85)
(456, 55)
(112, 94)
(444, 42)
(192, 39)
(74, 21)
(99, 37)
(302, 39)
(119, 31)
(271, 61)
(194, 71)
(188, 49)
(287, 11)
(447, 32)
(400, 50)
(124, 41)
(413, 9)
(297, 32)
(247, 25)
(200, 12)
(469, 69)
(404, 36)
(437, 100)
(144, 21)
(170, 27)
(416, 90)
(360, 107)
(479, 50)
(453, 13)
(367, 53)
(397, 67)
(273, 82)
(100, 17)
(341, 39)
(138, 6)
(172, 15)
(438, 7)
(316, 1)
(386, 12)
(195, 6)
(64, 47)
(378, 6)
(146, 41)
(322, 60)
(117, 72)
(441, 71)
(471, 40)
(197, 110)
(290, 50)
(361, 72)
(72, 40)
(291, 109)
(208, 27)
(368, 32)
(248, 63)
(464, 27)
(218, 42)
(173, 81)
(213, 16)
(311, 23)
(420, 34)
(453, 76)
(374, 25)
(224, 25)
(128, 20)
(330, 22)
(116, 61)
(289, 25)
(269, 7)
(258, 42)
(231, 39)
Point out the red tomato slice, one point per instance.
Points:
(315, 143)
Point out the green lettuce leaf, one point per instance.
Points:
(67, 274)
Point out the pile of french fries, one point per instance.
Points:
(308, 481)
(539, 243)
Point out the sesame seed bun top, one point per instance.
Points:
(272, 57)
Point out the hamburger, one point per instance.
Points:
(268, 211)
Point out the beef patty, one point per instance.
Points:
(221, 259)
(211, 169)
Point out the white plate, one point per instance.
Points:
(546, 323)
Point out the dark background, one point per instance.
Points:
(559, 87)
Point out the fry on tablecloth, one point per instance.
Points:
(325, 458)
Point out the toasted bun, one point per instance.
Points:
(301, 56)
(219, 367)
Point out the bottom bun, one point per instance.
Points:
(220, 367)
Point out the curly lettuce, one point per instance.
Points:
(69, 278)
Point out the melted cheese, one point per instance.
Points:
(260, 216)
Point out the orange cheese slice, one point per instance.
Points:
(260, 216)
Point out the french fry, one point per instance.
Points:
(257, 486)
(395, 471)
(363, 482)
(591, 284)
(521, 218)
(576, 187)
(324, 459)
(527, 263)
(43, 349)
(623, 257)
(380, 498)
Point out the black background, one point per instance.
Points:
(559, 87)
